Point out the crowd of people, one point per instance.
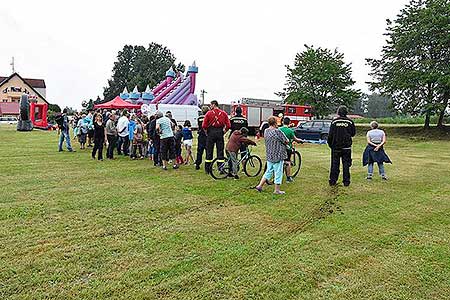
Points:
(159, 138)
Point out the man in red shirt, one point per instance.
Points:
(216, 123)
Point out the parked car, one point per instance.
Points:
(313, 130)
(8, 120)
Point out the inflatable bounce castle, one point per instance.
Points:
(176, 88)
(32, 114)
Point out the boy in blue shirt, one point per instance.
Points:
(187, 141)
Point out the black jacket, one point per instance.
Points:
(372, 156)
(152, 130)
(201, 132)
(342, 130)
(178, 137)
(237, 122)
(148, 129)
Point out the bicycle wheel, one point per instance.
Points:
(296, 163)
(252, 166)
(219, 170)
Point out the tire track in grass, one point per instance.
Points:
(320, 213)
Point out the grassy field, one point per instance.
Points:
(74, 228)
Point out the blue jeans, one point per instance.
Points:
(380, 169)
(64, 135)
(275, 168)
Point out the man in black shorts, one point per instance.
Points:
(167, 141)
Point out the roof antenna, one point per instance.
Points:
(12, 65)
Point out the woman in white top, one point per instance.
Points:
(374, 152)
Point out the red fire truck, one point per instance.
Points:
(258, 110)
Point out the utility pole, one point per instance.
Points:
(12, 65)
(202, 95)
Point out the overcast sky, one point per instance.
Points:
(241, 47)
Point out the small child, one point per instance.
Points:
(187, 141)
(238, 138)
(137, 139)
(178, 138)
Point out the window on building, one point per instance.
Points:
(292, 110)
(5, 100)
(307, 125)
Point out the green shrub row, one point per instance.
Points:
(401, 120)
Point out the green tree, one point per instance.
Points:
(139, 66)
(54, 108)
(70, 110)
(379, 106)
(98, 101)
(360, 106)
(90, 105)
(414, 65)
(320, 78)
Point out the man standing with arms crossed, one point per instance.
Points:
(216, 124)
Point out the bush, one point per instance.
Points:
(401, 120)
(51, 116)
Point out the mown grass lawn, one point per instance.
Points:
(73, 228)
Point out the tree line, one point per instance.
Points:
(140, 66)
(411, 77)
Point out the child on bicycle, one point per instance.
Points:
(237, 139)
(289, 133)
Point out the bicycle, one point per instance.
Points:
(296, 162)
(252, 165)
